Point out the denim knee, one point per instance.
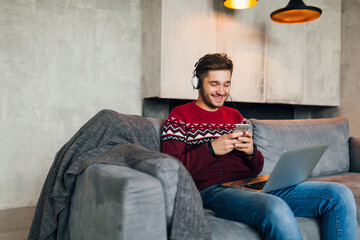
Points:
(340, 195)
(278, 220)
(339, 214)
(275, 210)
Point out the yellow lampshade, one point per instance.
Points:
(240, 4)
(296, 12)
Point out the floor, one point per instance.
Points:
(15, 223)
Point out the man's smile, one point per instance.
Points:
(219, 98)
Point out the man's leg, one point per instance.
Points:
(268, 213)
(333, 203)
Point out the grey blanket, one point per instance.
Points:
(111, 138)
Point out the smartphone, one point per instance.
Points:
(242, 127)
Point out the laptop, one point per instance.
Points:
(293, 167)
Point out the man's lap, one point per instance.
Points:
(303, 200)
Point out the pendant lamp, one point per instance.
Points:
(296, 12)
(240, 4)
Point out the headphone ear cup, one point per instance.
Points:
(195, 82)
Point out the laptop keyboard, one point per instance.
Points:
(256, 186)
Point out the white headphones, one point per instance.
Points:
(195, 81)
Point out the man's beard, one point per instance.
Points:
(207, 100)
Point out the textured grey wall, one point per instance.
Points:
(61, 61)
(350, 65)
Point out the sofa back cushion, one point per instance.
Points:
(158, 124)
(272, 137)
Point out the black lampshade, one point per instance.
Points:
(296, 12)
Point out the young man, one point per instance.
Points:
(200, 134)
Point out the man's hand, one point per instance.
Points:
(236, 140)
(246, 144)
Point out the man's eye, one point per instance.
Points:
(213, 84)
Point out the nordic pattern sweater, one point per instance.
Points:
(186, 134)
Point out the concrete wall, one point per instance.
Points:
(61, 61)
(350, 65)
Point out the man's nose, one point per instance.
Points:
(221, 90)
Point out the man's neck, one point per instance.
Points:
(204, 106)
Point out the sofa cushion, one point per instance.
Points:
(158, 124)
(274, 136)
(226, 229)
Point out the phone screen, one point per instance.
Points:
(242, 127)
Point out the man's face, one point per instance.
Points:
(214, 90)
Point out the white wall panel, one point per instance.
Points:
(322, 80)
(189, 31)
(274, 63)
(241, 34)
(285, 55)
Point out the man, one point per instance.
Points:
(200, 134)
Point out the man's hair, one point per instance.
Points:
(216, 61)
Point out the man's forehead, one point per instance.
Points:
(219, 81)
(218, 71)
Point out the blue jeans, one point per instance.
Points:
(274, 213)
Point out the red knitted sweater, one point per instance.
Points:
(186, 134)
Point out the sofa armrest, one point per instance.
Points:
(116, 202)
(166, 170)
(354, 152)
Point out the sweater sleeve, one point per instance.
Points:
(255, 163)
(173, 142)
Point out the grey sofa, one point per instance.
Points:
(115, 202)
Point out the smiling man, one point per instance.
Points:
(200, 134)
